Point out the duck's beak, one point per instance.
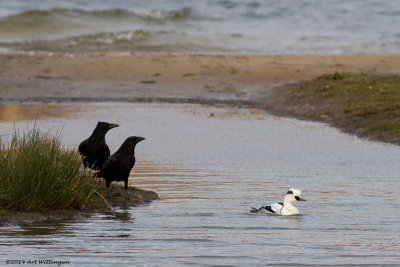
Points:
(299, 198)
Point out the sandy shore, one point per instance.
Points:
(169, 77)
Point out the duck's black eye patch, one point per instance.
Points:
(290, 192)
(297, 197)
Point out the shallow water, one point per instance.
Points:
(209, 165)
(202, 26)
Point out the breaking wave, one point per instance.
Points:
(43, 15)
(61, 22)
(134, 41)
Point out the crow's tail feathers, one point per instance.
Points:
(99, 174)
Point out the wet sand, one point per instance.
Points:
(169, 77)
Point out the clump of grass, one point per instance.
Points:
(336, 76)
(148, 81)
(37, 174)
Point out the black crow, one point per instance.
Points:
(119, 165)
(94, 150)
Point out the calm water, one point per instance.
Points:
(202, 26)
(209, 165)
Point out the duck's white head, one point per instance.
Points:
(293, 195)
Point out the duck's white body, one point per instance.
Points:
(286, 208)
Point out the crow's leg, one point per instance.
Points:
(108, 185)
(126, 188)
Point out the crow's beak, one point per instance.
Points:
(112, 125)
(141, 139)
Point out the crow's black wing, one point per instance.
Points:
(83, 147)
(109, 167)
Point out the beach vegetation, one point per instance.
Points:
(364, 104)
(336, 76)
(38, 174)
(233, 71)
(148, 81)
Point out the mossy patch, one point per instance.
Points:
(365, 104)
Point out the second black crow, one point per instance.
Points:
(94, 150)
(118, 166)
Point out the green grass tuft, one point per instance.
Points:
(37, 174)
(336, 76)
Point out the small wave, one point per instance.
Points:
(106, 13)
(137, 40)
(65, 22)
(153, 15)
(228, 4)
(101, 41)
